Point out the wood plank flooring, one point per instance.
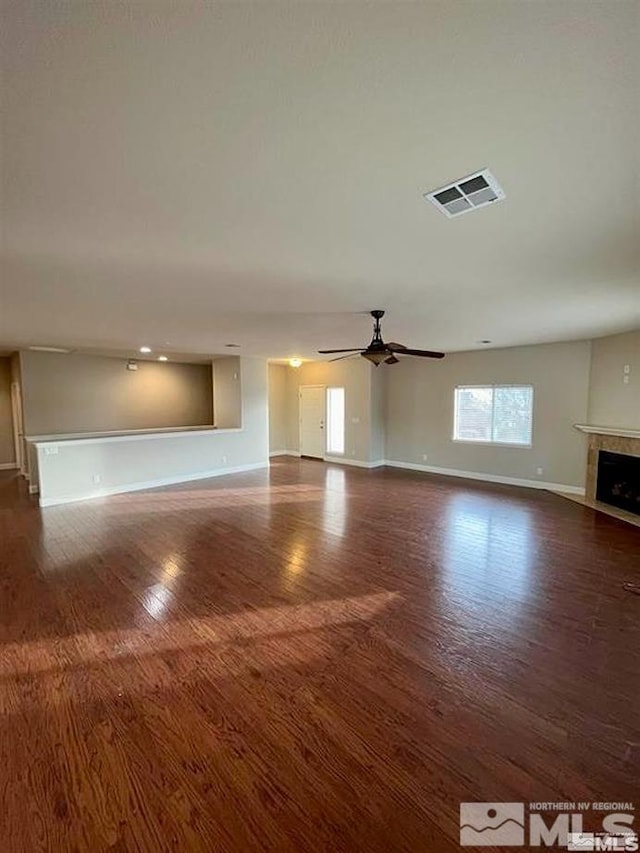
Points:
(317, 658)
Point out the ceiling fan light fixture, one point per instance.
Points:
(376, 357)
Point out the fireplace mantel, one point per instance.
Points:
(621, 432)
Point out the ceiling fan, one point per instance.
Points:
(379, 352)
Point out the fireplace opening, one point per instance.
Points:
(618, 481)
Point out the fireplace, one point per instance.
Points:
(618, 482)
(613, 460)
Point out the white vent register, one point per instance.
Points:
(474, 191)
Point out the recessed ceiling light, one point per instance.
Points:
(295, 362)
(162, 358)
(50, 349)
(232, 345)
(145, 349)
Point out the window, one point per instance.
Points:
(335, 420)
(494, 414)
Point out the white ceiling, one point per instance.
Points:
(190, 174)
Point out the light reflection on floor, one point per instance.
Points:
(157, 597)
(334, 510)
(480, 536)
(208, 631)
(65, 548)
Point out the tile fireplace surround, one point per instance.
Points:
(615, 440)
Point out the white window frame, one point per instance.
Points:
(491, 443)
(328, 418)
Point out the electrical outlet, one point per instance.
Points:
(539, 472)
(224, 460)
(96, 479)
(425, 456)
(626, 379)
(51, 451)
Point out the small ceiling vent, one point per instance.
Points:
(470, 193)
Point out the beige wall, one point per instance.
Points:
(378, 414)
(227, 392)
(354, 375)
(7, 446)
(612, 402)
(85, 393)
(277, 408)
(398, 413)
(87, 468)
(419, 411)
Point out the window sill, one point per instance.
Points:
(492, 443)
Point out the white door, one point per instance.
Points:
(312, 442)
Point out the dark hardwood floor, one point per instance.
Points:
(316, 659)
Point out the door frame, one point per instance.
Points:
(18, 427)
(324, 419)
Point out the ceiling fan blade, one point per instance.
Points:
(349, 355)
(425, 353)
(395, 346)
(346, 349)
(391, 360)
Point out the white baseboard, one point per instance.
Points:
(488, 478)
(152, 484)
(8, 466)
(335, 460)
(341, 460)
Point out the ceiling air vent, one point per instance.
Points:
(476, 190)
